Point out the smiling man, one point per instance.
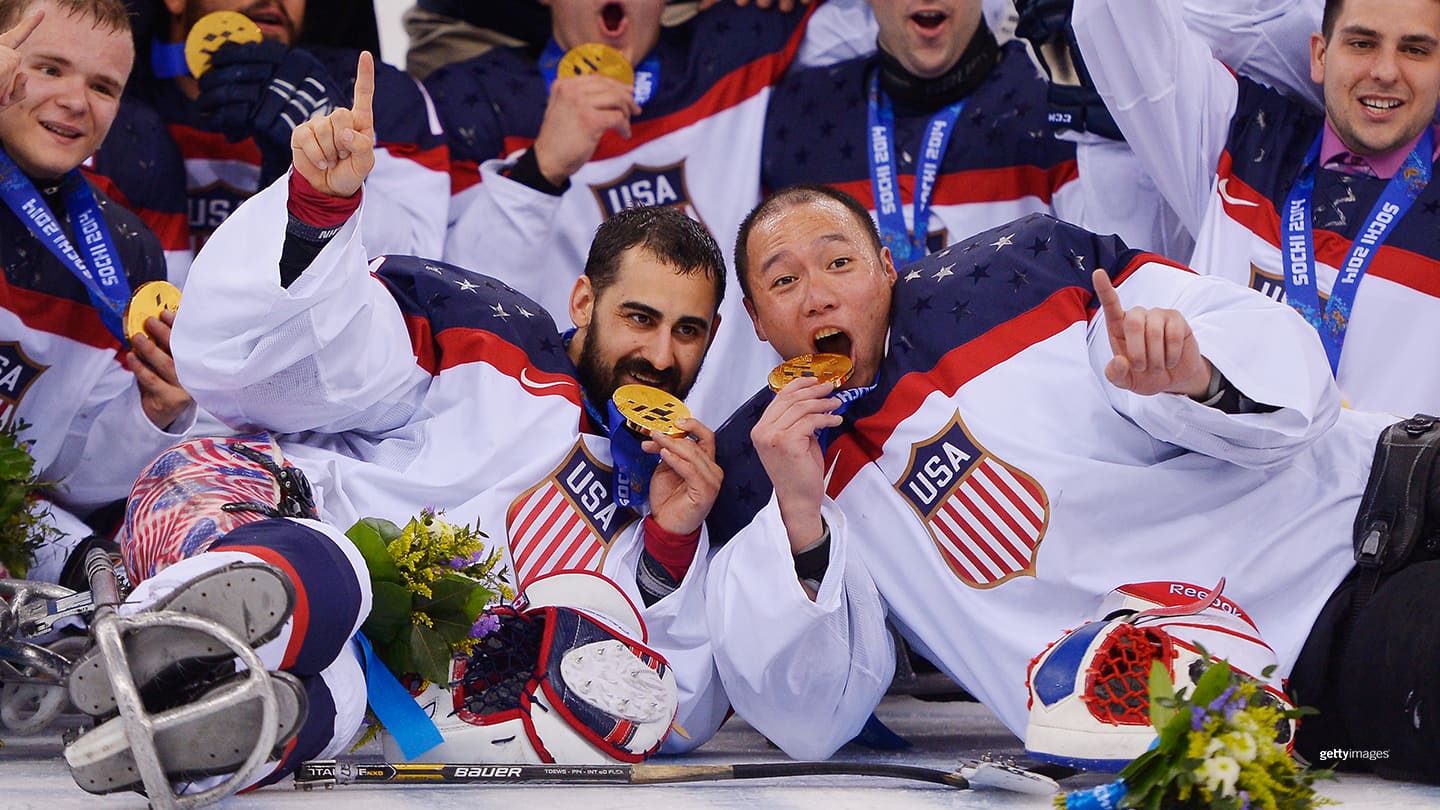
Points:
(99, 405)
(1333, 213)
(399, 383)
(1024, 434)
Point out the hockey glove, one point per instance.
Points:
(265, 90)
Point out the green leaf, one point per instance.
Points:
(371, 541)
(389, 613)
(450, 594)
(1211, 684)
(453, 626)
(480, 598)
(1174, 731)
(388, 531)
(1161, 687)
(429, 654)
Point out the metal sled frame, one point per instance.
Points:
(109, 628)
(21, 661)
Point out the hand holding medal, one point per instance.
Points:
(161, 396)
(592, 91)
(214, 30)
(661, 461)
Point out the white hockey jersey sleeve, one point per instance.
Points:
(1170, 97)
(1263, 348)
(330, 353)
(676, 626)
(1266, 40)
(805, 674)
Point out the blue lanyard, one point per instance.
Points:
(102, 275)
(647, 73)
(167, 59)
(885, 176)
(1299, 243)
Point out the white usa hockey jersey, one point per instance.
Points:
(994, 486)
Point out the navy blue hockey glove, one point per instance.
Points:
(265, 90)
(1075, 104)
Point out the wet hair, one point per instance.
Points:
(785, 199)
(664, 232)
(111, 15)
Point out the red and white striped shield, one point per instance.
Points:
(567, 521)
(986, 517)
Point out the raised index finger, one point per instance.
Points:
(16, 36)
(1110, 304)
(363, 108)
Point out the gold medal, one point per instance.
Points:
(646, 409)
(212, 31)
(832, 368)
(151, 298)
(593, 57)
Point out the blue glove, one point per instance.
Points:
(264, 90)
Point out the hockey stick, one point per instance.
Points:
(328, 773)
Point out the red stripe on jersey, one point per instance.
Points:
(457, 346)
(1408, 268)
(959, 366)
(463, 175)
(731, 90)
(172, 228)
(436, 158)
(977, 185)
(59, 316)
(202, 145)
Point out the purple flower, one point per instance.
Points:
(1244, 800)
(1218, 704)
(1197, 718)
(485, 625)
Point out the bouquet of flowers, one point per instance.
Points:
(430, 581)
(23, 527)
(1216, 749)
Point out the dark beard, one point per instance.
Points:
(599, 382)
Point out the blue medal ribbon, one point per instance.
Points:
(1298, 248)
(647, 73)
(905, 244)
(393, 705)
(100, 270)
(633, 466)
(167, 59)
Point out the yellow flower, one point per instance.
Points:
(1241, 747)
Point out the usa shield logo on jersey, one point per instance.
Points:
(568, 520)
(986, 517)
(647, 185)
(1272, 285)
(17, 373)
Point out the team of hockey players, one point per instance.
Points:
(1118, 330)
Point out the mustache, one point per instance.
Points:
(668, 380)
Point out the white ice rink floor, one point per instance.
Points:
(33, 777)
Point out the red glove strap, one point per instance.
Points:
(316, 208)
(673, 551)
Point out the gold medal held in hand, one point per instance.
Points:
(150, 299)
(593, 57)
(646, 409)
(212, 31)
(832, 368)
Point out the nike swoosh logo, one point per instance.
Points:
(1225, 195)
(537, 387)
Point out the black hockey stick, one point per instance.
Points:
(327, 773)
